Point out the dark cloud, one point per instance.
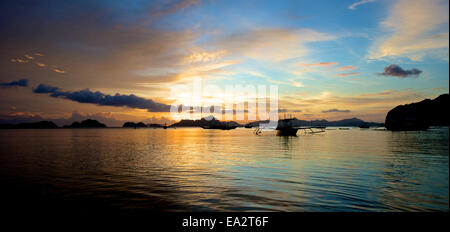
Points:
(23, 82)
(336, 111)
(45, 89)
(98, 98)
(397, 71)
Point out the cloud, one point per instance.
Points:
(348, 67)
(118, 36)
(46, 89)
(336, 111)
(22, 82)
(347, 74)
(201, 57)
(397, 71)
(101, 99)
(362, 2)
(320, 64)
(173, 7)
(368, 106)
(296, 83)
(59, 71)
(18, 60)
(31, 59)
(40, 64)
(272, 44)
(414, 28)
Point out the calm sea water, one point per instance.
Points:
(194, 169)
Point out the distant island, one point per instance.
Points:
(419, 115)
(141, 124)
(414, 116)
(204, 122)
(88, 123)
(30, 125)
(132, 124)
(352, 122)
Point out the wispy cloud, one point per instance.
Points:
(320, 64)
(201, 57)
(367, 106)
(59, 70)
(348, 67)
(173, 7)
(362, 2)
(271, 44)
(40, 64)
(336, 111)
(18, 60)
(32, 59)
(397, 71)
(347, 74)
(28, 57)
(415, 28)
(296, 83)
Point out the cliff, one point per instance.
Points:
(419, 115)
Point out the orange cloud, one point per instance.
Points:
(40, 64)
(347, 74)
(320, 64)
(59, 71)
(348, 67)
(18, 60)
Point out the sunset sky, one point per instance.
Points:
(116, 61)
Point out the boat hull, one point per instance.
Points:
(287, 132)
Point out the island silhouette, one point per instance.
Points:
(419, 115)
(414, 116)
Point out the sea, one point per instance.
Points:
(199, 170)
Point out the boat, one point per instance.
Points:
(364, 126)
(285, 127)
(221, 127)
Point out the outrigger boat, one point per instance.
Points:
(285, 127)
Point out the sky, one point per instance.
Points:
(117, 61)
